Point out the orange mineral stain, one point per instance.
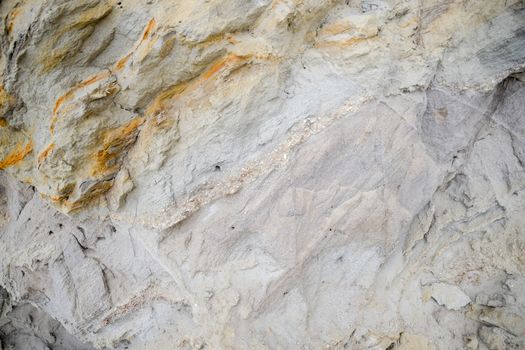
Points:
(230, 59)
(122, 62)
(149, 28)
(11, 19)
(114, 143)
(17, 155)
(160, 102)
(45, 153)
(71, 93)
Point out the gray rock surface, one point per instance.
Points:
(262, 174)
(26, 327)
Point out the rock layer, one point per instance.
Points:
(264, 174)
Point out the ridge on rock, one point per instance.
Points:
(262, 174)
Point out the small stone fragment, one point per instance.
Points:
(449, 296)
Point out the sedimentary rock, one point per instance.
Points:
(263, 174)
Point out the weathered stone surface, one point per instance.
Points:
(450, 296)
(25, 327)
(264, 174)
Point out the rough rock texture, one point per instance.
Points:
(26, 327)
(262, 174)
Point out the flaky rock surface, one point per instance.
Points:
(262, 174)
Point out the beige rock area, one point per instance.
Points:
(262, 174)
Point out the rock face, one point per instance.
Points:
(262, 174)
(26, 327)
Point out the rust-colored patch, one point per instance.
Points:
(95, 78)
(342, 43)
(45, 153)
(214, 69)
(54, 118)
(63, 199)
(119, 65)
(160, 102)
(149, 28)
(148, 39)
(96, 191)
(3, 123)
(142, 47)
(230, 59)
(122, 62)
(61, 100)
(114, 143)
(11, 19)
(71, 93)
(17, 155)
(56, 49)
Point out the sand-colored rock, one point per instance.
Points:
(263, 174)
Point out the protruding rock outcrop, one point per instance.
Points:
(264, 174)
